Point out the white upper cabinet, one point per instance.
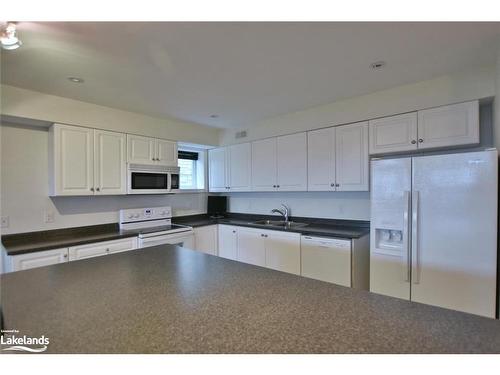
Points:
(109, 162)
(86, 161)
(338, 158)
(71, 165)
(239, 160)
(264, 165)
(321, 160)
(141, 150)
(166, 152)
(393, 134)
(217, 170)
(451, 125)
(147, 150)
(291, 154)
(351, 155)
(446, 126)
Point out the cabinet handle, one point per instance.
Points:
(413, 142)
(337, 185)
(107, 249)
(98, 189)
(65, 255)
(420, 140)
(277, 186)
(234, 231)
(332, 184)
(274, 186)
(91, 189)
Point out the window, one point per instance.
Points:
(192, 169)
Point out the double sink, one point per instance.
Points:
(279, 224)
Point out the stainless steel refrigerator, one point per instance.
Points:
(434, 230)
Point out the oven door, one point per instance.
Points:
(183, 239)
(142, 181)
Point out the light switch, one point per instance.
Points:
(4, 222)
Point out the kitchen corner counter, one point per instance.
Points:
(167, 299)
(315, 227)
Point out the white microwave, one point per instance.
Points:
(152, 179)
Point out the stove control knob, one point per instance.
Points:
(130, 216)
(137, 216)
(163, 213)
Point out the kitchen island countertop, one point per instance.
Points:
(167, 299)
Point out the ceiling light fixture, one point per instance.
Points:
(9, 39)
(76, 79)
(377, 65)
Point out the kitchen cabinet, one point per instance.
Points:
(338, 158)
(292, 162)
(267, 248)
(110, 168)
(37, 259)
(228, 241)
(217, 170)
(445, 126)
(264, 167)
(153, 151)
(280, 163)
(450, 125)
(205, 239)
(84, 161)
(351, 157)
(101, 248)
(239, 163)
(251, 246)
(393, 134)
(283, 251)
(71, 160)
(230, 168)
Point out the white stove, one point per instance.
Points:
(154, 227)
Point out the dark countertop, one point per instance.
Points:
(167, 299)
(315, 227)
(22, 243)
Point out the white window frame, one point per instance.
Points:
(202, 164)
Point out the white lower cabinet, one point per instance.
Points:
(102, 248)
(228, 241)
(38, 259)
(205, 239)
(251, 246)
(283, 251)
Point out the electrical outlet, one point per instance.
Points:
(48, 216)
(4, 222)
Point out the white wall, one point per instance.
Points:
(496, 109)
(24, 188)
(29, 104)
(474, 84)
(337, 205)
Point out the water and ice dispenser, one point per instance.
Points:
(389, 240)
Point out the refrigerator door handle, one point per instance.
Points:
(414, 235)
(406, 232)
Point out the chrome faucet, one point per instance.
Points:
(285, 212)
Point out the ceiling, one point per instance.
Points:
(242, 72)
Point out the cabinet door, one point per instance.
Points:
(141, 150)
(292, 162)
(118, 246)
(110, 165)
(393, 134)
(239, 167)
(264, 165)
(283, 251)
(166, 152)
(205, 239)
(217, 179)
(87, 251)
(251, 246)
(450, 125)
(73, 160)
(228, 242)
(321, 160)
(39, 259)
(351, 152)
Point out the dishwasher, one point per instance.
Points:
(326, 259)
